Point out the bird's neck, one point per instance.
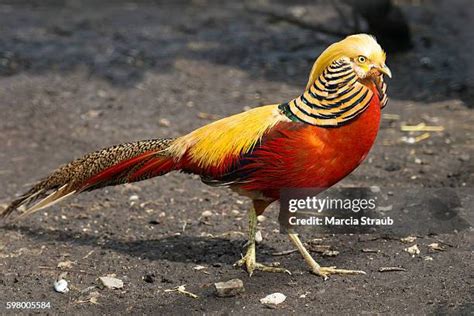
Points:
(336, 97)
(312, 109)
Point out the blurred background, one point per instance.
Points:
(78, 75)
(429, 41)
(82, 74)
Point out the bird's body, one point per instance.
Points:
(314, 140)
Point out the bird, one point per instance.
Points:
(313, 140)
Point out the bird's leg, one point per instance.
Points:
(324, 272)
(249, 260)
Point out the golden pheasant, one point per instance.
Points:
(314, 140)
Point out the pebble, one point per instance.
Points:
(164, 122)
(261, 218)
(375, 189)
(408, 239)
(413, 250)
(229, 288)
(408, 140)
(133, 197)
(436, 246)
(330, 253)
(65, 264)
(385, 208)
(273, 299)
(206, 214)
(426, 62)
(298, 11)
(102, 93)
(111, 283)
(258, 237)
(464, 157)
(60, 286)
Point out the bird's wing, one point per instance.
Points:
(214, 149)
(242, 170)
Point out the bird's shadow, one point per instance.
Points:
(205, 250)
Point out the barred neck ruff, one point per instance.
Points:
(335, 98)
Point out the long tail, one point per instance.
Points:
(114, 165)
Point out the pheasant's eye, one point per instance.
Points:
(361, 59)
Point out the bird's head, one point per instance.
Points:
(363, 52)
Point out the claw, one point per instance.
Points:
(325, 272)
(251, 265)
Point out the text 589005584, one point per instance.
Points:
(28, 305)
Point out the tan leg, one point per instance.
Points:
(249, 260)
(324, 272)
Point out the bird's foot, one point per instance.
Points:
(251, 265)
(325, 272)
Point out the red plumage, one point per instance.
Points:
(293, 155)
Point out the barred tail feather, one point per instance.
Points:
(114, 165)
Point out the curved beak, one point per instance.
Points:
(385, 70)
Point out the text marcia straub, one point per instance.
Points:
(335, 221)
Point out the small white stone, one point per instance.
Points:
(298, 11)
(413, 250)
(206, 214)
(408, 239)
(385, 208)
(273, 299)
(133, 197)
(408, 140)
(375, 189)
(111, 283)
(436, 246)
(330, 253)
(261, 218)
(60, 286)
(198, 268)
(102, 93)
(65, 264)
(258, 237)
(164, 122)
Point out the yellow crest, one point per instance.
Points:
(350, 47)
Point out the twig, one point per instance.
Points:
(390, 116)
(422, 127)
(391, 269)
(422, 137)
(444, 242)
(368, 250)
(88, 254)
(284, 253)
(181, 289)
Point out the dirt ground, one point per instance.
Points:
(77, 76)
